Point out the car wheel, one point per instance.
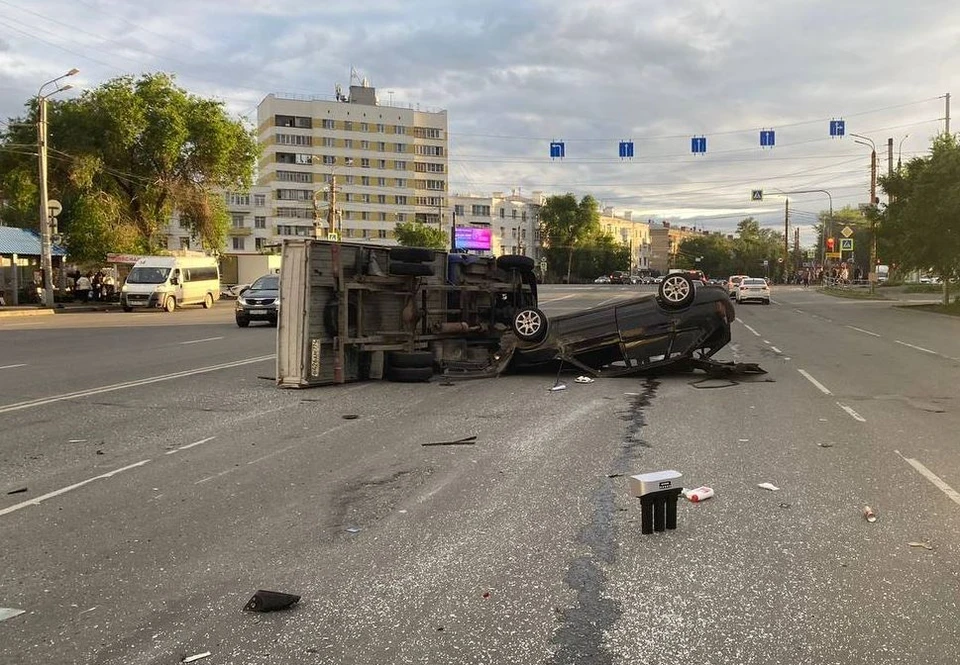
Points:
(243, 321)
(676, 291)
(410, 359)
(515, 262)
(410, 269)
(208, 301)
(766, 302)
(127, 308)
(530, 324)
(411, 254)
(272, 322)
(170, 304)
(410, 374)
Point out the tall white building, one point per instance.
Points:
(513, 220)
(388, 164)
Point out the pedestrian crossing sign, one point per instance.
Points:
(846, 244)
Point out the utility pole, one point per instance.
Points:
(332, 208)
(786, 237)
(947, 127)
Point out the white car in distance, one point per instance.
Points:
(753, 288)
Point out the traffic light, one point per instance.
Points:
(830, 243)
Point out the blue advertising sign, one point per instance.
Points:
(469, 237)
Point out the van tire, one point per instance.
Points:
(412, 254)
(170, 304)
(515, 262)
(208, 301)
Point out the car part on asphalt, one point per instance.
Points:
(869, 514)
(658, 493)
(268, 601)
(465, 441)
(413, 359)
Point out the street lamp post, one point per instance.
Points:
(873, 201)
(827, 230)
(900, 150)
(46, 245)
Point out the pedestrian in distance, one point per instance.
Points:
(83, 288)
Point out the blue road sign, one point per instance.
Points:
(837, 128)
(626, 149)
(767, 138)
(556, 150)
(698, 144)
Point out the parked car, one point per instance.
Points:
(682, 322)
(733, 281)
(753, 288)
(602, 279)
(259, 302)
(619, 277)
(658, 279)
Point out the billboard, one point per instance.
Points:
(469, 237)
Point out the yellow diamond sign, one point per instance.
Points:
(847, 232)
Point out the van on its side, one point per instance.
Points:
(168, 282)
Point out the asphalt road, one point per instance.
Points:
(166, 481)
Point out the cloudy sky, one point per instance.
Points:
(516, 75)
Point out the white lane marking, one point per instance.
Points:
(190, 445)
(812, 380)
(604, 302)
(747, 326)
(775, 349)
(865, 332)
(205, 339)
(853, 414)
(269, 455)
(129, 384)
(918, 348)
(798, 311)
(932, 477)
(766, 341)
(9, 613)
(70, 488)
(13, 366)
(216, 475)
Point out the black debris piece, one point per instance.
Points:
(706, 384)
(465, 441)
(350, 416)
(268, 601)
(19, 490)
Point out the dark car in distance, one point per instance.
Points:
(619, 277)
(259, 302)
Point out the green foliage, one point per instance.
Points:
(862, 235)
(921, 226)
(568, 225)
(417, 234)
(134, 150)
(713, 251)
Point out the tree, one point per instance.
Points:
(852, 217)
(754, 245)
(709, 253)
(417, 234)
(922, 223)
(567, 224)
(124, 156)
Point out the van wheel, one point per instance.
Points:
(171, 304)
(207, 301)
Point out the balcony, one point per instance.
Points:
(234, 231)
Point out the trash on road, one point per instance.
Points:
(350, 416)
(784, 505)
(658, 493)
(19, 490)
(9, 613)
(199, 656)
(614, 475)
(77, 441)
(352, 529)
(825, 445)
(559, 386)
(713, 382)
(486, 594)
(926, 546)
(267, 601)
(769, 486)
(869, 514)
(696, 495)
(465, 441)
(583, 379)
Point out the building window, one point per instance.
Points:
(381, 146)
(381, 182)
(291, 176)
(430, 150)
(401, 216)
(294, 139)
(382, 164)
(523, 234)
(364, 163)
(237, 220)
(348, 179)
(295, 194)
(238, 242)
(366, 233)
(259, 200)
(382, 234)
(329, 142)
(399, 129)
(259, 222)
(381, 198)
(258, 243)
(348, 125)
(364, 215)
(400, 165)
(365, 198)
(523, 215)
(302, 122)
(364, 145)
(480, 211)
(513, 213)
(327, 123)
(365, 180)
(402, 200)
(502, 215)
(458, 209)
(383, 216)
(381, 128)
(364, 127)
(347, 214)
(233, 199)
(329, 160)
(400, 147)
(348, 143)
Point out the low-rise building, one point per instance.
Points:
(513, 220)
(665, 240)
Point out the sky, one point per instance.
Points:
(514, 76)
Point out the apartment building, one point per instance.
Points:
(665, 240)
(513, 220)
(249, 232)
(384, 163)
(634, 234)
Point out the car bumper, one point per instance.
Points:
(141, 301)
(257, 313)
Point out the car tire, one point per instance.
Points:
(410, 374)
(243, 322)
(530, 324)
(515, 262)
(208, 301)
(412, 254)
(766, 302)
(170, 304)
(410, 269)
(676, 291)
(272, 322)
(127, 308)
(410, 359)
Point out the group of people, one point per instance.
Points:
(100, 285)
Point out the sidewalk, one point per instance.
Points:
(60, 308)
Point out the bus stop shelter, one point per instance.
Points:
(20, 263)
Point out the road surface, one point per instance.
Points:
(152, 478)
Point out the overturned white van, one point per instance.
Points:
(168, 282)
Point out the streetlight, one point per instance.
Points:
(827, 230)
(46, 249)
(900, 150)
(873, 201)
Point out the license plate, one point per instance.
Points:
(134, 303)
(254, 312)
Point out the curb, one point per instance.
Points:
(25, 312)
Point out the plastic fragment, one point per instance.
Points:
(926, 546)
(268, 601)
(583, 379)
(352, 529)
(698, 494)
(869, 514)
(559, 386)
(769, 486)
(199, 656)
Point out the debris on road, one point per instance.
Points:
(465, 441)
(10, 612)
(784, 505)
(769, 486)
(583, 379)
(77, 441)
(869, 514)
(486, 594)
(352, 529)
(825, 445)
(696, 495)
(713, 382)
(350, 416)
(559, 386)
(267, 601)
(926, 546)
(19, 490)
(658, 493)
(199, 656)
(614, 475)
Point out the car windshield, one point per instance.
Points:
(754, 282)
(268, 283)
(145, 275)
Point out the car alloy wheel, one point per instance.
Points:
(530, 324)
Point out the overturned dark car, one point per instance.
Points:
(355, 312)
